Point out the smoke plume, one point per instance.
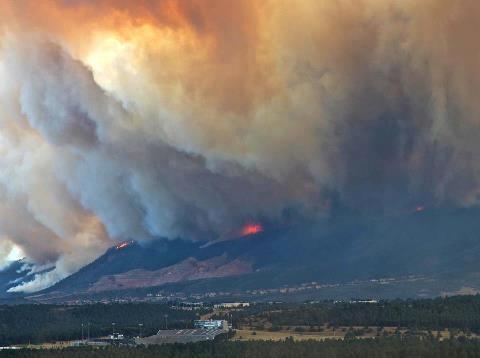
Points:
(188, 118)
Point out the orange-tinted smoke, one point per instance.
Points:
(230, 32)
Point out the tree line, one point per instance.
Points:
(34, 323)
(390, 347)
(461, 312)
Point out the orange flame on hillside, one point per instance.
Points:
(251, 229)
(419, 209)
(124, 244)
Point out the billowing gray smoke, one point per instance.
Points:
(139, 119)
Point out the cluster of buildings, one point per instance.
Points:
(204, 330)
(231, 305)
(211, 324)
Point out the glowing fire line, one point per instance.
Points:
(251, 229)
(124, 245)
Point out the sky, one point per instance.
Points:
(188, 119)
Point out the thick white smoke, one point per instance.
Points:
(9, 252)
(138, 120)
(80, 162)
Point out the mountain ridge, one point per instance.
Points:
(340, 248)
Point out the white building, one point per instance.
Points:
(211, 324)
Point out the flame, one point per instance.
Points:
(419, 209)
(124, 244)
(251, 229)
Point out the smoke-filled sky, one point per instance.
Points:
(142, 119)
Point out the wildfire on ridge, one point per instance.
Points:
(251, 229)
(124, 244)
(419, 209)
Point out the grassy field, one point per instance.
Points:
(248, 335)
(263, 335)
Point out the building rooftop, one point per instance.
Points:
(181, 336)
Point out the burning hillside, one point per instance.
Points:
(251, 229)
(124, 244)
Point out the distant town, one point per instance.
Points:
(164, 295)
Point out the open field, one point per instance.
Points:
(339, 333)
(248, 335)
